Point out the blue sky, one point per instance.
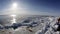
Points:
(48, 7)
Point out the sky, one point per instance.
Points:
(37, 7)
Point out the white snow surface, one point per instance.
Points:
(46, 25)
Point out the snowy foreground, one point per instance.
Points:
(45, 25)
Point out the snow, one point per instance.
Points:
(45, 25)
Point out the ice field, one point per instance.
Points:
(45, 24)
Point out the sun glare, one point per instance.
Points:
(13, 15)
(13, 18)
(14, 5)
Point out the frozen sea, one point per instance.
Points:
(45, 24)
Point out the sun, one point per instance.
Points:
(14, 5)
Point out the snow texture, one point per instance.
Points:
(46, 25)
